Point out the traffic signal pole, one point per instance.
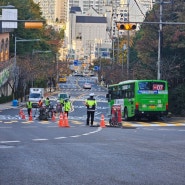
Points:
(128, 54)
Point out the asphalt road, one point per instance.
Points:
(42, 153)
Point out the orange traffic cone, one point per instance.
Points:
(23, 115)
(102, 122)
(20, 112)
(53, 117)
(30, 118)
(61, 121)
(66, 123)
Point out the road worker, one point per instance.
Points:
(47, 102)
(91, 106)
(67, 106)
(40, 104)
(29, 107)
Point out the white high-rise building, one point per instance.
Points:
(47, 9)
(84, 31)
(54, 10)
(85, 5)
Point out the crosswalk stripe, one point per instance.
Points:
(82, 121)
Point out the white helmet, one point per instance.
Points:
(91, 94)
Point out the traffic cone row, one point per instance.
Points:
(102, 122)
(63, 121)
(21, 114)
(66, 123)
(53, 117)
(60, 122)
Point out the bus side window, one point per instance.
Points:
(132, 94)
(122, 94)
(126, 94)
(129, 94)
(118, 94)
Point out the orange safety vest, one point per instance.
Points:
(40, 103)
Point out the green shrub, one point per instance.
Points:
(5, 99)
(177, 100)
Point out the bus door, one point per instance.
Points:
(129, 103)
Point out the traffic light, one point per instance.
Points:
(33, 25)
(126, 26)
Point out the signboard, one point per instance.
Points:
(104, 54)
(96, 68)
(9, 14)
(75, 62)
(158, 87)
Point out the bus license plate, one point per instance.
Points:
(152, 106)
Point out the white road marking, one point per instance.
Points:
(75, 136)
(40, 139)
(60, 137)
(10, 142)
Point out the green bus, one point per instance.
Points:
(139, 98)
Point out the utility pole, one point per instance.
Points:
(159, 41)
(128, 47)
(159, 73)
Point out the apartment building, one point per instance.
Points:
(84, 32)
(61, 10)
(54, 10)
(87, 4)
(114, 10)
(47, 9)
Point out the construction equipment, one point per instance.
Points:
(116, 116)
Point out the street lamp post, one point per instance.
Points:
(124, 50)
(7, 6)
(21, 40)
(15, 59)
(56, 62)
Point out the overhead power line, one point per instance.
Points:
(140, 8)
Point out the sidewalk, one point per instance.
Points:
(9, 105)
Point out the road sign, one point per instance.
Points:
(104, 54)
(75, 62)
(96, 68)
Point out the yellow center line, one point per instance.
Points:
(144, 124)
(8, 122)
(162, 124)
(44, 122)
(127, 124)
(178, 124)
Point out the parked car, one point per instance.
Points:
(63, 96)
(87, 86)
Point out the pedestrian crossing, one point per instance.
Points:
(153, 124)
(67, 88)
(35, 121)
